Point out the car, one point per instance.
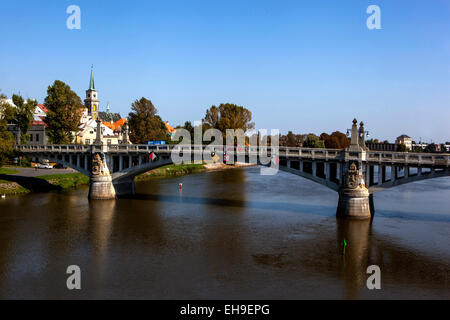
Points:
(44, 166)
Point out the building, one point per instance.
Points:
(38, 127)
(116, 127)
(170, 130)
(88, 129)
(404, 139)
(91, 102)
(88, 134)
(37, 131)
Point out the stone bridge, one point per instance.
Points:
(356, 172)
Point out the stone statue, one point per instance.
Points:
(97, 165)
(352, 179)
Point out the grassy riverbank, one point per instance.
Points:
(172, 171)
(56, 181)
(66, 180)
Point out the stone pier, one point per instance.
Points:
(354, 203)
(354, 198)
(101, 185)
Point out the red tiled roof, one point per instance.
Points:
(43, 107)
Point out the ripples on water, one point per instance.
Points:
(227, 235)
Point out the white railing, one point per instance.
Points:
(309, 153)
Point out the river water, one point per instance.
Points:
(230, 234)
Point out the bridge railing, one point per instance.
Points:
(410, 158)
(309, 153)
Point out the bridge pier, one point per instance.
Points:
(101, 186)
(355, 203)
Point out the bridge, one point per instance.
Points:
(355, 173)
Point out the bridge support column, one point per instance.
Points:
(355, 203)
(120, 162)
(101, 186)
(354, 199)
(327, 171)
(380, 175)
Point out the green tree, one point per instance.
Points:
(64, 113)
(313, 141)
(144, 122)
(6, 138)
(228, 116)
(109, 116)
(430, 148)
(23, 116)
(401, 148)
(291, 140)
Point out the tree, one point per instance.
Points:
(430, 148)
(313, 141)
(6, 138)
(337, 140)
(108, 116)
(64, 113)
(23, 115)
(401, 148)
(144, 122)
(228, 116)
(291, 140)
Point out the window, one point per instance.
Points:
(31, 137)
(87, 141)
(37, 137)
(108, 141)
(91, 132)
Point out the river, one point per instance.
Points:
(230, 234)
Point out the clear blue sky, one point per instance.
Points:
(306, 66)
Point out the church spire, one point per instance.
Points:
(91, 82)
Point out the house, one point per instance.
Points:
(37, 131)
(116, 127)
(404, 139)
(170, 130)
(88, 133)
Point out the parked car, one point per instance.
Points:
(45, 166)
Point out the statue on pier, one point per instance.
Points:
(97, 166)
(352, 179)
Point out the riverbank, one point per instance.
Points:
(11, 184)
(185, 169)
(15, 182)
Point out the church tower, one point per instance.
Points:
(91, 102)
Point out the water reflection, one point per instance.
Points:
(355, 253)
(227, 235)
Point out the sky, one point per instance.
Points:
(304, 66)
